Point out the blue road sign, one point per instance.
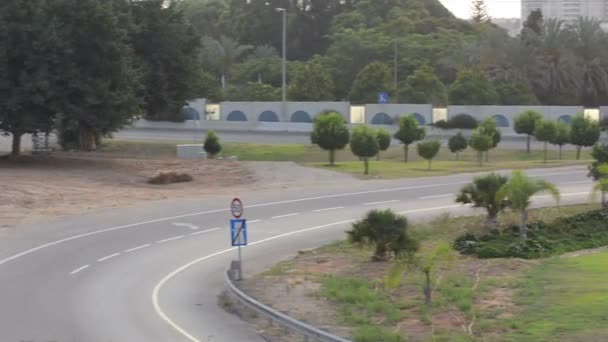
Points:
(383, 98)
(238, 232)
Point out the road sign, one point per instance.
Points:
(236, 207)
(383, 98)
(238, 232)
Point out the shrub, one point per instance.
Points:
(364, 145)
(428, 150)
(462, 121)
(330, 133)
(212, 144)
(458, 143)
(409, 132)
(170, 177)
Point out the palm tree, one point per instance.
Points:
(590, 42)
(223, 54)
(519, 191)
(482, 194)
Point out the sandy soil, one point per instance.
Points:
(35, 188)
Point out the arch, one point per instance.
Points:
(268, 116)
(421, 120)
(236, 115)
(190, 113)
(501, 121)
(565, 118)
(301, 116)
(382, 119)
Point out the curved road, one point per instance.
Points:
(153, 272)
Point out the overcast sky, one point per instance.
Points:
(497, 8)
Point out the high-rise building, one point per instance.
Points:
(567, 10)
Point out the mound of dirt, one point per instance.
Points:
(170, 178)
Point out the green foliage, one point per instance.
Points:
(525, 123)
(584, 132)
(480, 12)
(385, 231)
(457, 143)
(561, 136)
(373, 333)
(364, 145)
(601, 186)
(581, 231)
(482, 193)
(311, 82)
(600, 154)
(375, 78)
(423, 86)
(330, 133)
(384, 139)
(545, 131)
(409, 132)
(462, 121)
(472, 87)
(428, 150)
(488, 127)
(253, 91)
(222, 55)
(212, 144)
(481, 143)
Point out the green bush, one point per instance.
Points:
(212, 144)
(462, 121)
(581, 231)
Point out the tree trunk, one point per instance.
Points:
(430, 160)
(528, 144)
(545, 154)
(427, 288)
(380, 253)
(85, 138)
(332, 157)
(491, 222)
(523, 226)
(366, 163)
(406, 150)
(487, 156)
(16, 146)
(578, 152)
(480, 158)
(604, 203)
(560, 152)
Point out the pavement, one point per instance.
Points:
(152, 272)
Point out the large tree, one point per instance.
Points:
(222, 55)
(375, 78)
(423, 86)
(472, 87)
(480, 12)
(311, 82)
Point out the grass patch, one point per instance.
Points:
(369, 333)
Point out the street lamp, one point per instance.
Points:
(284, 67)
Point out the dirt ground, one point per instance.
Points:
(35, 188)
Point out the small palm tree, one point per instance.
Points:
(482, 194)
(519, 191)
(602, 185)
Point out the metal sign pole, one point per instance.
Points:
(240, 265)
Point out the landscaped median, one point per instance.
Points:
(342, 289)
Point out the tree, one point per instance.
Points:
(583, 133)
(375, 78)
(525, 123)
(472, 87)
(561, 136)
(253, 91)
(364, 145)
(384, 140)
(480, 12)
(457, 143)
(600, 154)
(481, 143)
(223, 54)
(212, 144)
(545, 131)
(311, 82)
(601, 185)
(534, 22)
(385, 231)
(519, 191)
(488, 127)
(409, 132)
(482, 194)
(423, 86)
(330, 133)
(428, 150)
(168, 51)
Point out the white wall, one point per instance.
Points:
(394, 111)
(253, 110)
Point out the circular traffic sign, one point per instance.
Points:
(236, 207)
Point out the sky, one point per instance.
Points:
(496, 8)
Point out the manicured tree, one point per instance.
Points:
(428, 150)
(561, 137)
(457, 143)
(480, 143)
(386, 231)
(409, 132)
(525, 123)
(212, 144)
(482, 194)
(330, 133)
(519, 191)
(583, 133)
(384, 140)
(364, 145)
(602, 184)
(488, 127)
(600, 154)
(545, 131)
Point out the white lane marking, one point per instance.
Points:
(168, 277)
(170, 239)
(254, 221)
(564, 195)
(579, 182)
(429, 209)
(327, 209)
(205, 231)
(79, 236)
(108, 257)
(138, 248)
(187, 225)
(381, 202)
(287, 215)
(79, 269)
(437, 196)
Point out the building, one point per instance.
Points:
(567, 10)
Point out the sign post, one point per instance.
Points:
(238, 231)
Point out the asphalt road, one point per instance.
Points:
(153, 272)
